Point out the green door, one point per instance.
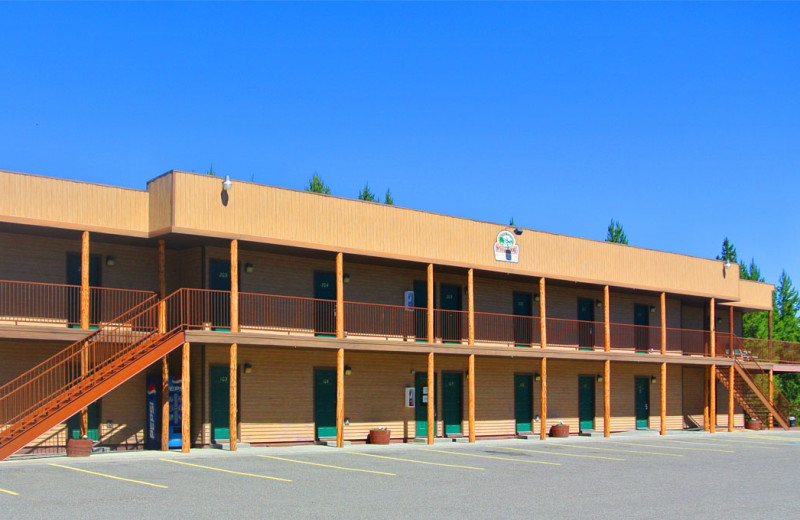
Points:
(74, 293)
(452, 402)
(450, 315)
(218, 306)
(325, 304)
(585, 403)
(220, 403)
(523, 401)
(421, 408)
(523, 323)
(421, 311)
(642, 390)
(585, 323)
(641, 317)
(74, 423)
(325, 402)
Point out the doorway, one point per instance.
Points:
(218, 307)
(325, 402)
(450, 315)
(523, 402)
(74, 423)
(586, 403)
(421, 408)
(641, 318)
(421, 311)
(324, 304)
(74, 293)
(452, 402)
(523, 324)
(220, 402)
(642, 392)
(585, 324)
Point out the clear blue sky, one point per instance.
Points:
(680, 120)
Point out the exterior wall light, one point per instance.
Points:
(652, 309)
(249, 268)
(346, 278)
(517, 231)
(536, 297)
(248, 368)
(537, 376)
(110, 261)
(653, 380)
(347, 370)
(727, 264)
(600, 378)
(227, 184)
(599, 303)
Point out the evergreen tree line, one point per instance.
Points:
(317, 185)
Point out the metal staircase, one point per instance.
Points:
(72, 379)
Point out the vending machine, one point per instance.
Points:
(154, 413)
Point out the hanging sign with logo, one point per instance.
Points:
(506, 248)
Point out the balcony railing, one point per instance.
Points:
(60, 305)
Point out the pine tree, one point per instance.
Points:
(786, 305)
(366, 194)
(728, 252)
(615, 233)
(387, 199)
(754, 324)
(316, 185)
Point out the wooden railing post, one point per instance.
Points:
(663, 398)
(607, 318)
(431, 399)
(663, 323)
(340, 398)
(731, 387)
(470, 308)
(471, 400)
(185, 401)
(233, 421)
(339, 295)
(234, 286)
(543, 411)
(430, 305)
(607, 398)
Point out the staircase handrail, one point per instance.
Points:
(779, 405)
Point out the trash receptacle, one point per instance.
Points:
(792, 421)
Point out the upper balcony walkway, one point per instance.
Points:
(54, 305)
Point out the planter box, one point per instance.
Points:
(79, 447)
(753, 425)
(379, 436)
(559, 430)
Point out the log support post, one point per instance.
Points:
(663, 323)
(712, 398)
(542, 314)
(470, 309)
(339, 295)
(165, 403)
(606, 319)
(185, 402)
(471, 400)
(84, 309)
(607, 398)
(771, 397)
(731, 386)
(730, 330)
(340, 398)
(233, 421)
(769, 334)
(705, 399)
(543, 411)
(234, 287)
(430, 306)
(431, 399)
(663, 398)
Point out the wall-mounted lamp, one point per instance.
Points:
(536, 297)
(346, 278)
(248, 368)
(249, 268)
(227, 184)
(413, 371)
(537, 376)
(600, 378)
(517, 231)
(599, 303)
(653, 380)
(109, 424)
(348, 370)
(652, 309)
(727, 264)
(110, 261)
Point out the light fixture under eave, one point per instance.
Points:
(248, 368)
(227, 184)
(653, 380)
(110, 261)
(517, 231)
(727, 264)
(348, 370)
(249, 268)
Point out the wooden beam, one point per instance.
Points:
(663, 323)
(542, 314)
(712, 398)
(84, 307)
(233, 421)
(185, 401)
(543, 411)
(471, 400)
(339, 295)
(607, 398)
(712, 327)
(430, 306)
(234, 286)
(470, 308)
(731, 386)
(606, 319)
(165, 403)
(705, 399)
(431, 399)
(771, 397)
(663, 397)
(340, 398)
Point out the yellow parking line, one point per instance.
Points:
(627, 451)
(413, 460)
(672, 447)
(564, 454)
(9, 492)
(225, 470)
(774, 438)
(755, 444)
(328, 466)
(706, 443)
(450, 452)
(110, 476)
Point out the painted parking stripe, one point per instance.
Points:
(414, 460)
(225, 470)
(563, 454)
(672, 447)
(767, 445)
(450, 452)
(627, 451)
(9, 492)
(110, 476)
(773, 438)
(725, 443)
(327, 465)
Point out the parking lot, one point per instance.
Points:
(636, 475)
